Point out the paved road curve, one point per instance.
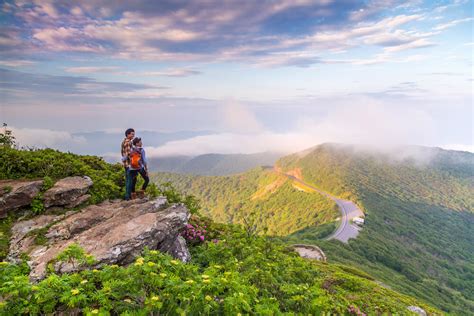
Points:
(348, 209)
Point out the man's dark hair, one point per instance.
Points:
(136, 140)
(128, 131)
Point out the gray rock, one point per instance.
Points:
(22, 241)
(179, 250)
(417, 310)
(67, 192)
(17, 193)
(114, 233)
(80, 200)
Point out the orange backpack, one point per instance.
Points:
(135, 157)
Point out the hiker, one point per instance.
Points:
(138, 165)
(125, 151)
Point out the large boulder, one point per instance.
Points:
(68, 192)
(114, 232)
(23, 233)
(15, 194)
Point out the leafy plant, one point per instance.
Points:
(73, 255)
(237, 275)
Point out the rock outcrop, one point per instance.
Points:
(114, 232)
(68, 192)
(15, 194)
(417, 310)
(310, 252)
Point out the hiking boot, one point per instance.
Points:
(141, 194)
(134, 196)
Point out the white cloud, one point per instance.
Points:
(82, 70)
(45, 138)
(365, 122)
(460, 147)
(17, 63)
(450, 24)
(231, 143)
(237, 117)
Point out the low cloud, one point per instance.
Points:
(459, 147)
(369, 124)
(232, 143)
(46, 138)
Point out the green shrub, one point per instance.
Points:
(52, 165)
(237, 275)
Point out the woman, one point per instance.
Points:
(138, 165)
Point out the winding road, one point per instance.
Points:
(349, 210)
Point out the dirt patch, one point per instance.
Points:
(295, 173)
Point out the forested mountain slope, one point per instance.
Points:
(418, 201)
(269, 200)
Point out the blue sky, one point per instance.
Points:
(254, 75)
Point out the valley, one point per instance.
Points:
(417, 237)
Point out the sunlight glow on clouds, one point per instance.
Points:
(260, 75)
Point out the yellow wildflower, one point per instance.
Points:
(189, 281)
(175, 262)
(75, 291)
(208, 298)
(95, 271)
(205, 276)
(163, 275)
(95, 311)
(151, 264)
(155, 298)
(127, 300)
(206, 281)
(84, 281)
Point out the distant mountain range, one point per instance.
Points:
(419, 206)
(213, 164)
(107, 144)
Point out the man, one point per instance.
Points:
(125, 151)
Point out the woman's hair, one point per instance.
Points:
(136, 140)
(128, 131)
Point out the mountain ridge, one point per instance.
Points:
(419, 214)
